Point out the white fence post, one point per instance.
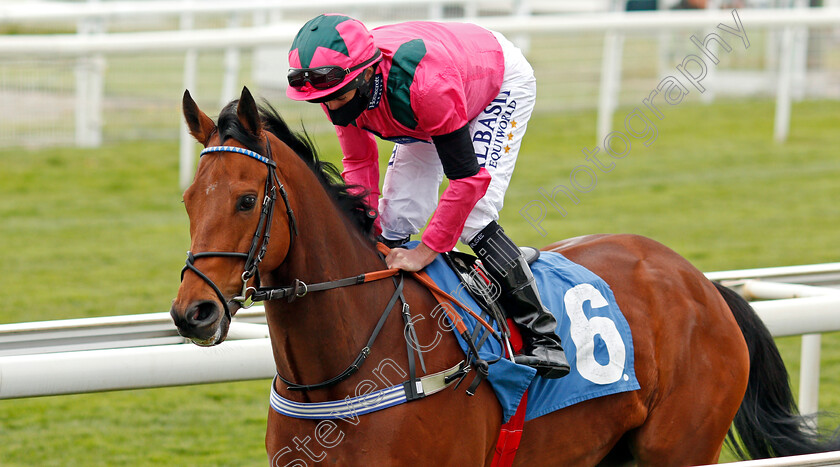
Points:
(781, 124)
(709, 96)
(793, 65)
(270, 62)
(800, 60)
(89, 88)
(186, 144)
(610, 78)
(809, 375)
(231, 72)
(521, 8)
(435, 11)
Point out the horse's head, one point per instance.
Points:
(230, 205)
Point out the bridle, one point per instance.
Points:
(259, 245)
(256, 253)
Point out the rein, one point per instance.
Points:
(300, 289)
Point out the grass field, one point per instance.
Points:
(96, 232)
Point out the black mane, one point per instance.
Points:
(355, 205)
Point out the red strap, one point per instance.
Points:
(511, 432)
(515, 336)
(510, 436)
(444, 298)
(377, 275)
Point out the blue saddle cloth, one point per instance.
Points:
(594, 333)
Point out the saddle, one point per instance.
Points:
(475, 281)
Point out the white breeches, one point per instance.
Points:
(411, 189)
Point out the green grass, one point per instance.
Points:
(713, 186)
(90, 232)
(95, 232)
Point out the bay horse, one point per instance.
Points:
(702, 356)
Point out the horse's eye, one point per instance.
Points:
(246, 203)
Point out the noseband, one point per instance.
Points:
(259, 245)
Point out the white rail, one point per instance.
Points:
(112, 332)
(83, 355)
(135, 42)
(809, 460)
(134, 367)
(797, 316)
(126, 352)
(786, 314)
(60, 11)
(753, 289)
(802, 274)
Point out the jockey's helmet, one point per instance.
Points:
(327, 56)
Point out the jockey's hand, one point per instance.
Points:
(411, 260)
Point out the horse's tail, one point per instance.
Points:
(768, 421)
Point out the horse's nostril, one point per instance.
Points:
(202, 313)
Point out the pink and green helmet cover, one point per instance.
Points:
(329, 40)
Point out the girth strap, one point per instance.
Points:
(352, 407)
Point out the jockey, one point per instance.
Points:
(456, 99)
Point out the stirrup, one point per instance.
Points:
(530, 253)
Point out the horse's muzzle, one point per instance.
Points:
(204, 322)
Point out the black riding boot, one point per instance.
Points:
(521, 301)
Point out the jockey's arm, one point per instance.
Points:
(468, 183)
(361, 163)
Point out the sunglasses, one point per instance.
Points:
(324, 77)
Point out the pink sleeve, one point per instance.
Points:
(458, 200)
(438, 98)
(361, 163)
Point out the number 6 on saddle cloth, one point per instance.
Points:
(590, 323)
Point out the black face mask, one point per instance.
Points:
(350, 111)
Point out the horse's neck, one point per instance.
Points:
(317, 336)
(327, 247)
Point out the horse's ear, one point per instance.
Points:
(201, 126)
(247, 112)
